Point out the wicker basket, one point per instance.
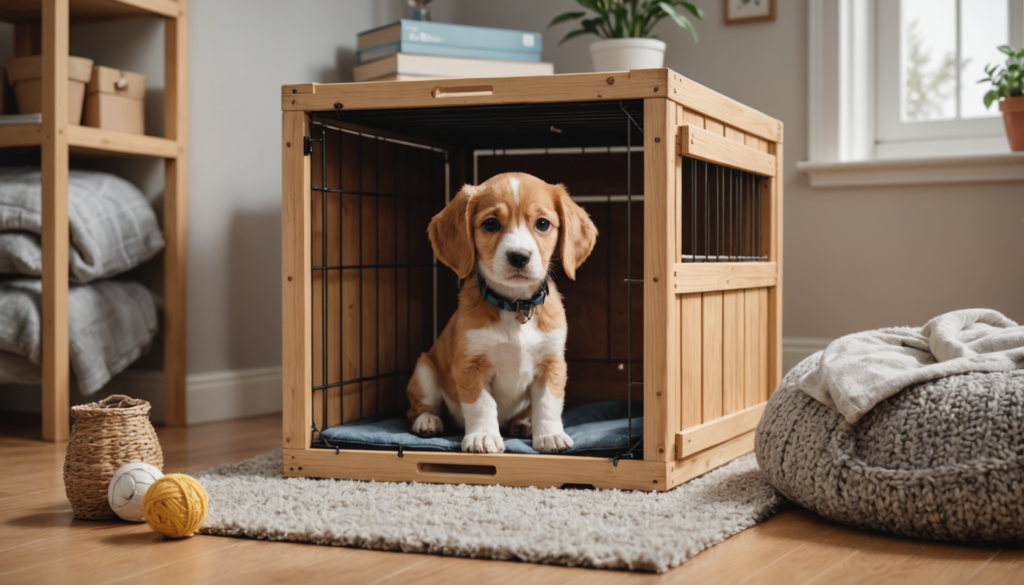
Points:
(106, 435)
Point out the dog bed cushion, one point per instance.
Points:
(943, 459)
(598, 428)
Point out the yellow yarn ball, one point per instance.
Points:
(175, 505)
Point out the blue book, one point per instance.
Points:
(448, 40)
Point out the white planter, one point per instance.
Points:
(626, 54)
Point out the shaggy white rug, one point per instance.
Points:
(606, 529)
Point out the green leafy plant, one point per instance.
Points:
(1007, 79)
(627, 19)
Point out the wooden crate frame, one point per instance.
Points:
(706, 379)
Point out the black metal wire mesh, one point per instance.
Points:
(721, 213)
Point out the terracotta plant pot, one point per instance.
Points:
(1013, 119)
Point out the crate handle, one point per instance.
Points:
(456, 469)
(467, 91)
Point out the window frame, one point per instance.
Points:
(896, 138)
(843, 101)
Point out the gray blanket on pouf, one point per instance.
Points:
(856, 372)
(943, 459)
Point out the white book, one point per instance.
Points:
(20, 119)
(401, 66)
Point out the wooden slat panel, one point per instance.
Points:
(715, 276)
(717, 431)
(691, 117)
(174, 147)
(22, 135)
(737, 136)
(733, 318)
(296, 323)
(751, 348)
(661, 323)
(763, 344)
(703, 145)
(713, 104)
(714, 126)
(712, 356)
(56, 367)
(638, 84)
(691, 359)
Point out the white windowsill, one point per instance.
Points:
(996, 168)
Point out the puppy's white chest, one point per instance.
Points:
(514, 351)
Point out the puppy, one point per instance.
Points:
(500, 361)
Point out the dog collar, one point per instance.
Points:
(522, 308)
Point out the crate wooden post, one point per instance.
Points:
(661, 320)
(297, 313)
(56, 367)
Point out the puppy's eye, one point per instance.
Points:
(491, 225)
(543, 225)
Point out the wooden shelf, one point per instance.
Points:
(84, 140)
(89, 11)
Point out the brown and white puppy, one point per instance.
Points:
(490, 369)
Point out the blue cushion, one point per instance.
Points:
(595, 428)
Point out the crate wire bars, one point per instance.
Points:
(721, 209)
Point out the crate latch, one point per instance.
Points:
(307, 145)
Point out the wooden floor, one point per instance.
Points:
(40, 541)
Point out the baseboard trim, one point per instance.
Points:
(796, 349)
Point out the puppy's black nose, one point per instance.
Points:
(518, 259)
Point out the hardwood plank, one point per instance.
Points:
(751, 348)
(719, 276)
(296, 281)
(661, 324)
(888, 559)
(691, 361)
(637, 84)
(1006, 567)
(55, 159)
(716, 432)
(711, 392)
(175, 212)
(813, 557)
(704, 145)
(732, 351)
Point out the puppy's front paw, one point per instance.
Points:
(552, 443)
(426, 424)
(482, 443)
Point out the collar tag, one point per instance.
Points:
(523, 314)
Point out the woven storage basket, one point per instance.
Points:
(106, 435)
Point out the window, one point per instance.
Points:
(929, 56)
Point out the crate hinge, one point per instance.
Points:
(307, 145)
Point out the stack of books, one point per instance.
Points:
(414, 49)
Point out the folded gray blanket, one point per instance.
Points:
(112, 226)
(111, 323)
(856, 372)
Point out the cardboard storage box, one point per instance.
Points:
(26, 74)
(115, 100)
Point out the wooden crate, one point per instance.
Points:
(710, 332)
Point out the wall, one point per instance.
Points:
(855, 259)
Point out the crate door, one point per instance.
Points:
(373, 289)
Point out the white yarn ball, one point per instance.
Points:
(128, 489)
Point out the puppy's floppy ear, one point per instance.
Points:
(452, 235)
(578, 234)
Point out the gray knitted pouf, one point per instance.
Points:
(942, 460)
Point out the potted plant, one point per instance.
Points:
(625, 26)
(1007, 81)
